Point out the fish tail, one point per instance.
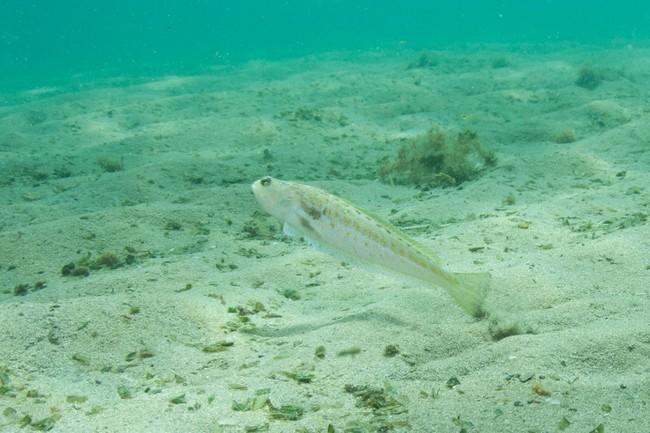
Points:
(469, 291)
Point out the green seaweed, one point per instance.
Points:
(4, 375)
(110, 164)
(95, 410)
(588, 78)
(179, 399)
(62, 172)
(76, 398)
(45, 424)
(21, 289)
(600, 428)
(224, 267)
(33, 393)
(565, 136)
(256, 428)
(179, 379)
(124, 392)
(508, 200)
(257, 306)
(187, 287)
(81, 359)
(80, 271)
(259, 226)
(384, 405)
(610, 225)
(73, 270)
(564, 424)
(243, 325)
(299, 376)
(173, 226)
(391, 350)
(139, 355)
(250, 253)
(380, 400)
(252, 403)
(292, 294)
(286, 412)
(499, 62)
(219, 346)
(452, 382)
(106, 260)
(463, 424)
(320, 352)
(433, 159)
(67, 269)
(24, 421)
(351, 351)
(313, 114)
(424, 60)
(10, 413)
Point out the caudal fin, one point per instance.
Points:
(469, 292)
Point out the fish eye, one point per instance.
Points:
(265, 181)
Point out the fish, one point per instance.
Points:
(338, 227)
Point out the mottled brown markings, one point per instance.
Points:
(355, 224)
(305, 223)
(340, 211)
(310, 210)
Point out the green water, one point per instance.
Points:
(43, 43)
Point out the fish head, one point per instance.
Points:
(275, 196)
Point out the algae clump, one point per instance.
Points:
(565, 136)
(110, 164)
(286, 412)
(436, 159)
(588, 78)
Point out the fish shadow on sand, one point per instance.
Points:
(304, 328)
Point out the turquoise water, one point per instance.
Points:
(42, 43)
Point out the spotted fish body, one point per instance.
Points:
(339, 227)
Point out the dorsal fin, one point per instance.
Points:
(421, 247)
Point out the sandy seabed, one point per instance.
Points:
(185, 309)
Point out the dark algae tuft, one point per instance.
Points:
(287, 412)
(110, 164)
(391, 350)
(383, 404)
(21, 289)
(107, 260)
(588, 78)
(435, 159)
(424, 60)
